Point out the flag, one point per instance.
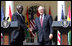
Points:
(27, 22)
(9, 10)
(2, 14)
(10, 13)
(27, 18)
(50, 13)
(32, 24)
(2, 17)
(69, 37)
(69, 14)
(69, 19)
(62, 15)
(61, 7)
(61, 12)
(38, 13)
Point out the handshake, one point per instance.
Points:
(30, 29)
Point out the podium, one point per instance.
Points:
(6, 31)
(59, 25)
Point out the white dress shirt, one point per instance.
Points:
(42, 16)
(18, 13)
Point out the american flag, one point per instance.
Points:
(32, 20)
(32, 25)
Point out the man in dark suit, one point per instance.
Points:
(18, 36)
(43, 26)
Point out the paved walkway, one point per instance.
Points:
(35, 43)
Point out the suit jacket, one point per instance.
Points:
(18, 35)
(43, 32)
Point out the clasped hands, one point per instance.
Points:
(31, 31)
(50, 36)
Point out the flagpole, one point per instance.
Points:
(69, 19)
(8, 11)
(59, 5)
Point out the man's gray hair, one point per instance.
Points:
(18, 6)
(40, 7)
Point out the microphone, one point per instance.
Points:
(7, 18)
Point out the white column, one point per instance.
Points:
(59, 9)
(7, 8)
(8, 3)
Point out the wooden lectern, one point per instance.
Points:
(6, 31)
(63, 27)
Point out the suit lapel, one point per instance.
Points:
(20, 17)
(44, 20)
(39, 21)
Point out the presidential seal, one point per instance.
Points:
(5, 24)
(64, 23)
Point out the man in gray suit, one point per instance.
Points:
(43, 27)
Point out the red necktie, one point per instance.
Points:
(41, 21)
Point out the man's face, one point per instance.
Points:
(20, 9)
(41, 11)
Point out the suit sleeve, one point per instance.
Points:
(50, 23)
(14, 18)
(22, 25)
(36, 28)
